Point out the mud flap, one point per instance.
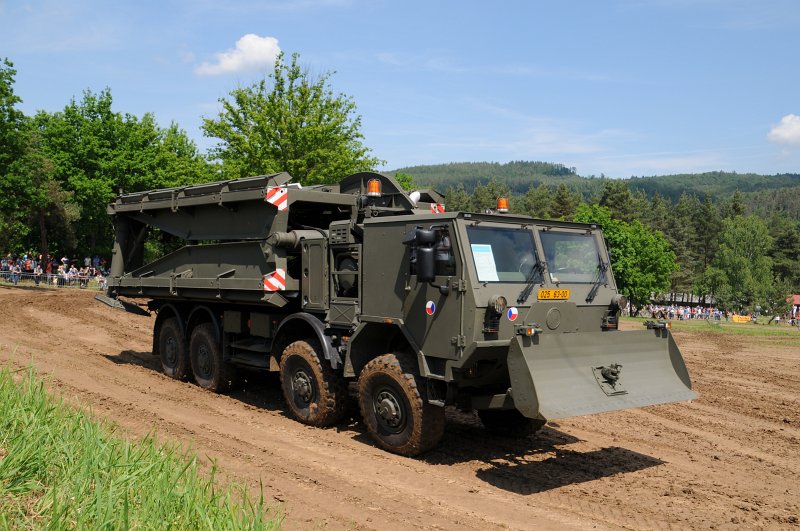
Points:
(564, 375)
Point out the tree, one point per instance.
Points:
(95, 152)
(289, 122)
(406, 180)
(741, 278)
(11, 118)
(657, 214)
(786, 250)
(641, 258)
(734, 207)
(12, 121)
(623, 204)
(564, 203)
(537, 202)
(40, 205)
(684, 240)
(457, 199)
(485, 196)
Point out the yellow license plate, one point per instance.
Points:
(553, 294)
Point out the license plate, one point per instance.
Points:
(553, 294)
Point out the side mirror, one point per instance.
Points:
(426, 269)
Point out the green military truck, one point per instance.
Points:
(363, 283)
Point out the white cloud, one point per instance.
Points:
(251, 53)
(787, 132)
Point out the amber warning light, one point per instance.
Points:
(502, 205)
(374, 188)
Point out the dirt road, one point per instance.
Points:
(728, 460)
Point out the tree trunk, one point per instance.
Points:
(42, 234)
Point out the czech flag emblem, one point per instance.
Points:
(430, 308)
(512, 314)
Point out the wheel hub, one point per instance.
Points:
(388, 409)
(171, 351)
(204, 361)
(301, 384)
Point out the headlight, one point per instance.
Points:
(498, 303)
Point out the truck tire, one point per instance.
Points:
(315, 393)
(509, 423)
(172, 350)
(209, 369)
(393, 405)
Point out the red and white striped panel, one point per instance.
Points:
(275, 281)
(278, 196)
(437, 208)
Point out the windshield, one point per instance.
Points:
(571, 256)
(502, 254)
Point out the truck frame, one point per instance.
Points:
(362, 284)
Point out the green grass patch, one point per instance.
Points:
(729, 328)
(59, 469)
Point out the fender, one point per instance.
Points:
(213, 318)
(328, 350)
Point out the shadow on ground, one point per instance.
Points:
(535, 463)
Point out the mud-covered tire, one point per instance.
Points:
(209, 368)
(391, 396)
(315, 393)
(172, 350)
(509, 423)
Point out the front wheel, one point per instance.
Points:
(315, 393)
(509, 422)
(394, 409)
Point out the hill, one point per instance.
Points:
(518, 175)
(763, 194)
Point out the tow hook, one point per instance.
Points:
(608, 379)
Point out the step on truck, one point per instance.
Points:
(364, 283)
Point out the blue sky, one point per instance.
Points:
(621, 87)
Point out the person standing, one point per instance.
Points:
(16, 271)
(37, 273)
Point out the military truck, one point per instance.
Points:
(364, 285)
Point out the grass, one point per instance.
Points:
(730, 328)
(59, 469)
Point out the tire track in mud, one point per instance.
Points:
(715, 462)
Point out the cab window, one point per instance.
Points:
(502, 254)
(571, 257)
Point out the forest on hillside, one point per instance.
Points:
(763, 195)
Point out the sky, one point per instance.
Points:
(616, 88)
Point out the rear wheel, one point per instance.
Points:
(392, 401)
(509, 422)
(315, 393)
(208, 366)
(172, 350)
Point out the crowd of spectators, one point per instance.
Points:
(52, 271)
(685, 313)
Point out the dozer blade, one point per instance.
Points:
(564, 375)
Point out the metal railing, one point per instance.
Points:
(51, 280)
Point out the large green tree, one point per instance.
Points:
(291, 122)
(741, 277)
(786, 250)
(641, 258)
(93, 152)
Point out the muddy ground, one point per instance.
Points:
(729, 460)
